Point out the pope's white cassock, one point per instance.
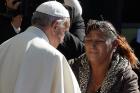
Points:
(29, 64)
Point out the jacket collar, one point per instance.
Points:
(118, 64)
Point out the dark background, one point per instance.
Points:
(124, 10)
(131, 11)
(116, 11)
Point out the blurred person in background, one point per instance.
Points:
(10, 19)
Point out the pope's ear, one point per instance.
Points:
(54, 24)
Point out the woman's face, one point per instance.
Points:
(98, 47)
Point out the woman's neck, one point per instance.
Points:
(98, 73)
(100, 68)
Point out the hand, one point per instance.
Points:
(76, 5)
(13, 4)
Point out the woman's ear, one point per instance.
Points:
(54, 25)
(115, 45)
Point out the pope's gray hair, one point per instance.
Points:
(42, 19)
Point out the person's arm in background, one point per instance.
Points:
(73, 46)
(78, 27)
(76, 5)
(77, 22)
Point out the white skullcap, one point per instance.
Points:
(53, 8)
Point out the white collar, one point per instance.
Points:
(39, 32)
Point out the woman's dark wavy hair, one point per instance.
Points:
(123, 48)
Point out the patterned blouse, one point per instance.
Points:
(119, 79)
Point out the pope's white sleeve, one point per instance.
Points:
(70, 82)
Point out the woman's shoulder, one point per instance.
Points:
(79, 60)
(124, 66)
(130, 81)
(128, 77)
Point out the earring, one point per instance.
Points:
(114, 50)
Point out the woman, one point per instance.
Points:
(106, 66)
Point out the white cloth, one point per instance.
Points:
(29, 64)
